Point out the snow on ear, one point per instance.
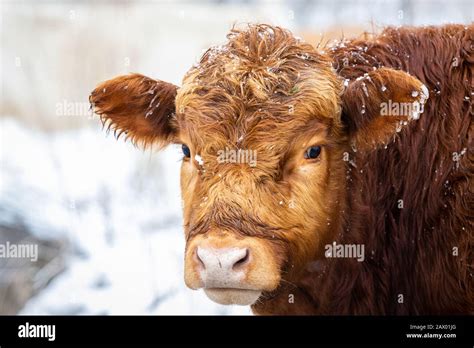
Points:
(137, 106)
(377, 105)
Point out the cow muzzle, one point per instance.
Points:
(230, 270)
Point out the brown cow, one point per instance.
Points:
(319, 181)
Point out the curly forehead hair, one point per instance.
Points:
(262, 72)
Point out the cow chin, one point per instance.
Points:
(242, 297)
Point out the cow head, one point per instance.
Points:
(264, 122)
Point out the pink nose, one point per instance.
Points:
(222, 268)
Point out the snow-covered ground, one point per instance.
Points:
(120, 209)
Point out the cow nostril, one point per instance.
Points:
(243, 260)
(198, 259)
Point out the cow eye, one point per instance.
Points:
(312, 152)
(186, 151)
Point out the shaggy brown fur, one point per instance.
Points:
(269, 92)
(412, 248)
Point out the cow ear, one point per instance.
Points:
(377, 105)
(137, 106)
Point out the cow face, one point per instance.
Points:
(264, 153)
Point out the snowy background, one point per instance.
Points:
(106, 215)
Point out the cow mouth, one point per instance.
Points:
(233, 296)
